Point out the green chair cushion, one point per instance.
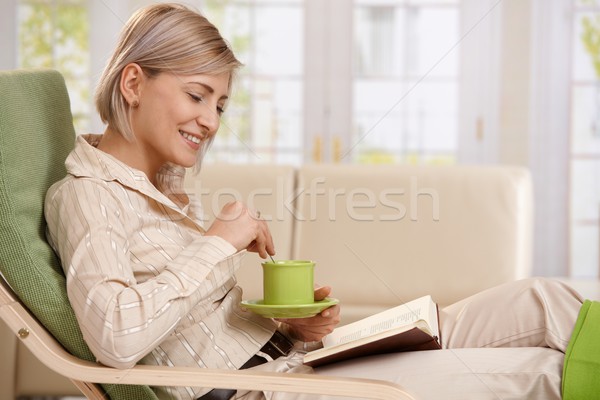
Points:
(581, 371)
(36, 135)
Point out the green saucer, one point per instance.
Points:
(288, 311)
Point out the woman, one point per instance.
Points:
(148, 283)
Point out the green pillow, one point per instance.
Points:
(581, 371)
(36, 135)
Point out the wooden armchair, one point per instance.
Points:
(36, 134)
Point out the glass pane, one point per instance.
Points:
(379, 3)
(400, 41)
(56, 35)
(587, 3)
(236, 118)
(279, 40)
(586, 52)
(585, 210)
(278, 2)
(71, 40)
(585, 140)
(433, 113)
(406, 82)
(376, 131)
(267, 37)
(434, 2)
(585, 119)
(585, 190)
(79, 94)
(274, 115)
(584, 251)
(437, 32)
(35, 36)
(234, 21)
(407, 2)
(396, 119)
(288, 105)
(379, 47)
(263, 122)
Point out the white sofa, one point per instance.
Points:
(380, 235)
(383, 235)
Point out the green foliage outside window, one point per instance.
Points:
(590, 36)
(237, 119)
(55, 34)
(591, 40)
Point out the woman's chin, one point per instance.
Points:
(187, 163)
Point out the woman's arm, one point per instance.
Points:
(121, 319)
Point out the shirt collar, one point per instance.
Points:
(87, 161)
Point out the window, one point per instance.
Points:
(389, 94)
(585, 140)
(264, 120)
(405, 87)
(388, 105)
(382, 81)
(55, 34)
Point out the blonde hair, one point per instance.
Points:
(161, 38)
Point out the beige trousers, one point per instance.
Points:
(504, 343)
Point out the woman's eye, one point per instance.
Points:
(196, 98)
(200, 99)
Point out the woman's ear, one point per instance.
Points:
(130, 85)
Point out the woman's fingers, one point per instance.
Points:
(322, 292)
(263, 243)
(314, 328)
(240, 226)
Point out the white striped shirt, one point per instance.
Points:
(145, 283)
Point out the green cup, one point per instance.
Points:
(288, 282)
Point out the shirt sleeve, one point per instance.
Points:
(121, 319)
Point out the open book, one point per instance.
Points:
(407, 327)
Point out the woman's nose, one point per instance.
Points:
(209, 119)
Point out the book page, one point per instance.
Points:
(419, 309)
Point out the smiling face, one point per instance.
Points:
(175, 117)
(171, 118)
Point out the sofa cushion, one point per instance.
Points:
(384, 235)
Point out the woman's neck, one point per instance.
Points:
(128, 152)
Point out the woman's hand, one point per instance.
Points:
(243, 229)
(314, 328)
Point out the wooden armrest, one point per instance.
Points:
(55, 357)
